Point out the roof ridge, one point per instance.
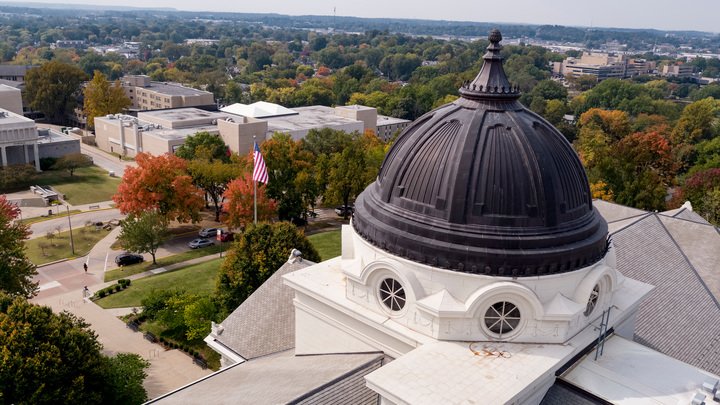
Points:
(685, 219)
(626, 218)
(639, 218)
(619, 205)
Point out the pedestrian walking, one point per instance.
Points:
(86, 292)
(85, 267)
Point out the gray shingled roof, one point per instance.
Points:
(283, 378)
(615, 212)
(690, 216)
(680, 317)
(265, 322)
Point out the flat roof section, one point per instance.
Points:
(174, 89)
(278, 378)
(629, 373)
(316, 116)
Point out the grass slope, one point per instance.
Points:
(88, 184)
(198, 279)
(59, 247)
(327, 244)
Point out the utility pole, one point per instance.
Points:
(72, 243)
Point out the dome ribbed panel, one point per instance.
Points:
(573, 190)
(400, 142)
(422, 179)
(506, 183)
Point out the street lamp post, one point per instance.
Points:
(72, 242)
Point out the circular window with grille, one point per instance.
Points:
(502, 318)
(592, 300)
(392, 294)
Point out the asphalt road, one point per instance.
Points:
(105, 160)
(40, 229)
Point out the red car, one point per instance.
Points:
(227, 236)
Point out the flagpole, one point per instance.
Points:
(254, 189)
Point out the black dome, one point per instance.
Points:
(483, 185)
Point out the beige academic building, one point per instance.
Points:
(239, 125)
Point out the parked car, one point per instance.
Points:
(227, 236)
(208, 233)
(200, 243)
(344, 210)
(127, 258)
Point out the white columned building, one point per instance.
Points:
(17, 134)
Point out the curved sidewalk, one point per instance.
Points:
(169, 369)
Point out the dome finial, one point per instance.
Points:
(495, 36)
(492, 77)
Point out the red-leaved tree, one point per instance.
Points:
(239, 202)
(159, 183)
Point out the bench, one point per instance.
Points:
(200, 362)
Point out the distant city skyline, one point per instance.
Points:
(700, 15)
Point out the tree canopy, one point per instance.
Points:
(16, 270)
(159, 183)
(51, 89)
(52, 358)
(72, 162)
(254, 257)
(143, 233)
(203, 145)
(101, 98)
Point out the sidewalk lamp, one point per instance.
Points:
(72, 242)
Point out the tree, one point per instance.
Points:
(72, 162)
(204, 145)
(159, 183)
(697, 122)
(285, 159)
(102, 99)
(143, 233)
(702, 189)
(16, 271)
(641, 170)
(51, 89)
(213, 177)
(239, 202)
(52, 358)
(124, 376)
(254, 257)
(198, 316)
(350, 170)
(16, 177)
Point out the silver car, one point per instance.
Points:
(200, 243)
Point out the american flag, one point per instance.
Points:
(260, 171)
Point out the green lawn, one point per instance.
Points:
(88, 184)
(198, 279)
(162, 262)
(327, 244)
(42, 250)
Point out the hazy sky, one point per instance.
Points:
(702, 15)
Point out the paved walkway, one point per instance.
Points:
(62, 290)
(169, 369)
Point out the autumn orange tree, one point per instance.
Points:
(159, 183)
(239, 202)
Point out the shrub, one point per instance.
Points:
(101, 293)
(117, 287)
(47, 163)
